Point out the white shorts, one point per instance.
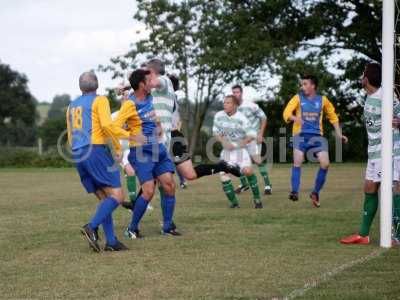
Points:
(253, 148)
(238, 157)
(124, 160)
(374, 170)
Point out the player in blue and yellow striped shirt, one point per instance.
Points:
(89, 127)
(306, 110)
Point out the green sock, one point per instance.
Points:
(243, 181)
(252, 179)
(131, 184)
(370, 208)
(227, 186)
(264, 173)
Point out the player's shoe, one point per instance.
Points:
(91, 236)
(150, 207)
(171, 231)
(355, 239)
(117, 247)
(315, 199)
(234, 205)
(267, 190)
(96, 232)
(183, 185)
(228, 168)
(132, 234)
(294, 196)
(258, 205)
(241, 188)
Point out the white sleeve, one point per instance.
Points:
(259, 112)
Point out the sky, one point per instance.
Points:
(53, 42)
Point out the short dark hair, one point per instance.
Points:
(234, 99)
(174, 80)
(312, 78)
(237, 86)
(137, 77)
(373, 72)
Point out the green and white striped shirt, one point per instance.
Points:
(253, 113)
(163, 101)
(234, 128)
(373, 124)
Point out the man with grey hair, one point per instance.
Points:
(88, 82)
(89, 127)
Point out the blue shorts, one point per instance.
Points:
(306, 142)
(96, 168)
(150, 161)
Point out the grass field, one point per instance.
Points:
(285, 250)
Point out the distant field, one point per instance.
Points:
(285, 250)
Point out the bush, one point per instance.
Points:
(24, 158)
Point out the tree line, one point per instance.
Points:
(213, 44)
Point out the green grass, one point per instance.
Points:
(223, 253)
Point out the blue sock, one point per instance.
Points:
(296, 173)
(138, 212)
(104, 209)
(320, 179)
(108, 228)
(168, 202)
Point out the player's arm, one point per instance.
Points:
(106, 123)
(128, 112)
(69, 133)
(159, 129)
(290, 108)
(225, 143)
(329, 110)
(263, 122)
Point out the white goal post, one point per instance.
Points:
(388, 32)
